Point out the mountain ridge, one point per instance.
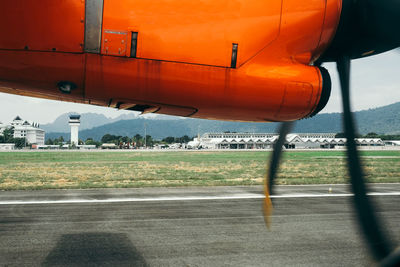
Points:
(382, 120)
(90, 120)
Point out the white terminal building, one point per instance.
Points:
(23, 129)
(74, 122)
(267, 140)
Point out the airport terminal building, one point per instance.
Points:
(23, 129)
(267, 140)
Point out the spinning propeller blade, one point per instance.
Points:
(369, 223)
(285, 128)
(367, 27)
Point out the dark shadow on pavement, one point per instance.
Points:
(94, 249)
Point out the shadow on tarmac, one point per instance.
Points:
(94, 249)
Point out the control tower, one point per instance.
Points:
(74, 122)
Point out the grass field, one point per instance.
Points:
(45, 170)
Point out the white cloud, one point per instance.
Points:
(375, 82)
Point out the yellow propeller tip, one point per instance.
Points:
(267, 207)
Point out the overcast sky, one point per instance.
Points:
(375, 82)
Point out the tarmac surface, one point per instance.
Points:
(195, 226)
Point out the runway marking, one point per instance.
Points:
(186, 198)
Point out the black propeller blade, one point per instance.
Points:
(285, 128)
(366, 27)
(369, 223)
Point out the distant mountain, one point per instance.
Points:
(383, 120)
(88, 121)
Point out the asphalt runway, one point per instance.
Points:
(209, 226)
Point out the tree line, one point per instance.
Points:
(8, 138)
(140, 141)
(373, 135)
(124, 141)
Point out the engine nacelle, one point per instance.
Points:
(247, 60)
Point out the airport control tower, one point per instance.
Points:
(74, 122)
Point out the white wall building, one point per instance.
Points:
(392, 143)
(23, 129)
(74, 122)
(267, 140)
(7, 146)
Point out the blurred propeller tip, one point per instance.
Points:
(267, 206)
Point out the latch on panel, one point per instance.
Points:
(115, 43)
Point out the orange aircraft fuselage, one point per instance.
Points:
(246, 60)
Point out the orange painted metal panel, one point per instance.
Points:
(301, 28)
(177, 110)
(196, 31)
(332, 17)
(252, 93)
(115, 43)
(40, 72)
(45, 25)
(296, 95)
(181, 48)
